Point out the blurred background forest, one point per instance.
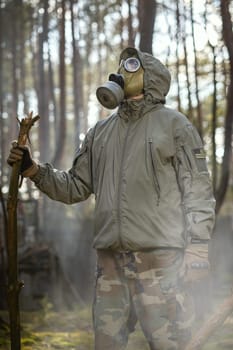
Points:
(53, 56)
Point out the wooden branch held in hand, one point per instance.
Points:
(211, 325)
(14, 285)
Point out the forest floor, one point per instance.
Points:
(72, 329)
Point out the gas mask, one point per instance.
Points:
(127, 83)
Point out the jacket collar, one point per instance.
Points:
(134, 109)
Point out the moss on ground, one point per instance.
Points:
(72, 330)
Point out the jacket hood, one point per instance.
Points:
(157, 78)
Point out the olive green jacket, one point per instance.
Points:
(146, 166)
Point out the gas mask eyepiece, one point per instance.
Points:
(111, 93)
(131, 64)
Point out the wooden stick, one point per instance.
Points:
(14, 285)
(211, 325)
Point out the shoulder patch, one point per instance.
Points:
(200, 158)
(199, 153)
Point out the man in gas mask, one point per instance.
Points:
(154, 206)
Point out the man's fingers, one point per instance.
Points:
(16, 152)
(15, 155)
(12, 159)
(19, 153)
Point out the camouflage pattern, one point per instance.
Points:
(144, 286)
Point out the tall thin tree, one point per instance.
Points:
(227, 157)
(76, 90)
(61, 133)
(186, 64)
(1, 99)
(177, 54)
(196, 74)
(42, 87)
(14, 57)
(130, 25)
(146, 13)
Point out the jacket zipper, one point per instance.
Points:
(120, 185)
(155, 177)
(97, 168)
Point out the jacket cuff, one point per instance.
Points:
(38, 177)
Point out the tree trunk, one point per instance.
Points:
(22, 60)
(214, 104)
(177, 55)
(61, 133)
(190, 107)
(53, 101)
(130, 26)
(121, 27)
(147, 12)
(75, 75)
(1, 102)
(227, 157)
(42, 90)
(15, 93)
(3, 237)
(199, 109)
(77, 80)
(34, 72)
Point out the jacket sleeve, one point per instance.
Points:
(195, 184)
(70, 186)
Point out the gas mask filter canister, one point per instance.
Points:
(113, 92)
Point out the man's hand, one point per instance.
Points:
(196, 262)
(22, 153)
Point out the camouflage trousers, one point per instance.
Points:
(145, 287)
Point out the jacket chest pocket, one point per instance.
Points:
(160, 164)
